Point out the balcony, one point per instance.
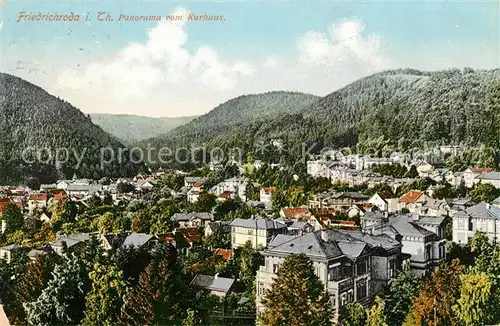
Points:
(341, 285)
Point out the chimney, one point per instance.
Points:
(324, 235)
(416, 217)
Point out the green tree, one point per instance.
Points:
(297, 297)
(472, 305)
(437, 295)
(483, 192)
(61, 302)
(353, 314)
(104, 301)
(376, 315)
(31, 283)
(13, 218)
(398, 297)
(206, 201)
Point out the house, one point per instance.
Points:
(236, 185)
(145, 185)
(266, 196)
(226, 195)
(412, 200)
(422, 237)
(226, 254)
(298, 228)
(194, 219)
(139, 240)
(112, 241)
(83, 189)
(492, 178)
(336, 200)
(37, 201)
(259, 231)
(472, 173)
(367, 162)
(482, 217)
(348, 263)
(7, 252)
(190, 181)
(215, 285)
(217, 227)
(319, 169)
(385, 201)
(68, 241)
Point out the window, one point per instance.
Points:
(261, 289)
(350, 296)
(392, 268)
(275, 268)
(343, 299)
(361, 290)
(361, 268)
(471, 225)
(250, 231)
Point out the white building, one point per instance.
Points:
(266, 196)
(353, 266)
(259, 231)
(236, 185)
(482, 217)
(422, 237)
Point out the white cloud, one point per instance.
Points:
(272, 62)
(345, 44)
(163, 60)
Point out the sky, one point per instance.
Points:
(180, 66)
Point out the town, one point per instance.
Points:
(364, 222)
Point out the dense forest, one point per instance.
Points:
(130, 129)
(401, 107)
(36, 123)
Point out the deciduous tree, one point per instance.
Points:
(297, 297)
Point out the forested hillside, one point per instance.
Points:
(32, 120)
(404, 106)
(133, 128)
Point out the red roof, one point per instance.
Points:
(43, 197)
(4, 202)
(226, 254)
(294, 212)
(481, 170)
(411, 196)
(269, 189)
(59, 195)
(226, 194)
(191, 234)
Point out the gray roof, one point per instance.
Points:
(383, 241)
(13, 246)
(81, 187)
(70, 240)
(493, 175)
(496, 201)
(481, 210)
(136, 240)
(347, 194)
(259, 223)
(188, 216)
(352, 249)
(406, 226)
(299, 225)
(213, 283)
(309, 244)
(194, 179)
